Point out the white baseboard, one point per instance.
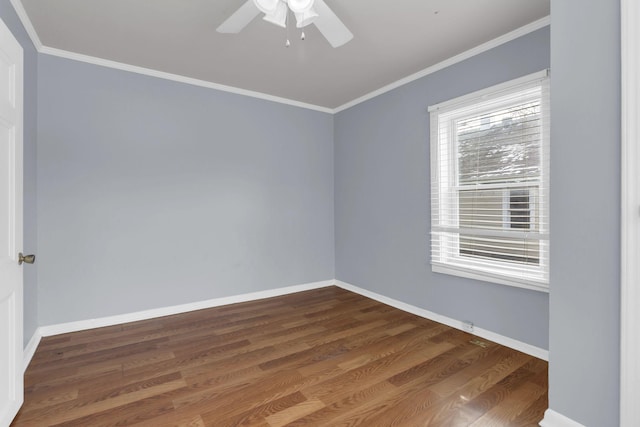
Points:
(554, 419)
(30, 349)
(63, 328)
(538, 352)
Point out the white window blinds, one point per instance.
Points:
(490, 184)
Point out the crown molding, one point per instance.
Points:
(512, 35)
(26, 23)
(519, 32)
(177, 78)
(41, 48)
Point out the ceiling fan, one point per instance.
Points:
(276, 11)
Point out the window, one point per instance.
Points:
(490, 184)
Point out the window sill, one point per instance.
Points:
(523, 283)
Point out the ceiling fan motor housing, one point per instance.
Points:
(296, 6)
(267, 6)
(300, 6)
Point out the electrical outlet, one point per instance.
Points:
(467, 326)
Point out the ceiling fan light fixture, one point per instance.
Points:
(300, 6)
(278, 16)
(305, 18)
(267, 6)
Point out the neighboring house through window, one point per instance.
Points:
(490, 184)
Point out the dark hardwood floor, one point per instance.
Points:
(323, 357)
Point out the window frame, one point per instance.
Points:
(446, 181)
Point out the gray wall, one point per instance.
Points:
(153, 193)
(585, 209)
(382, 184)
(8, 15)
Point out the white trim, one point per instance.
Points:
(501, 279)
(81, 325)
(457, 324)
(446, 232)
(45, 331)
(512, 35)
(554, 419)
(31, 31)
(26, 23)
(630, 216)
(178, 78)
(496, 91)
(519, 32)
(31, 348)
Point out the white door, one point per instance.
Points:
(11, 370)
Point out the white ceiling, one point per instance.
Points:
(392, 40)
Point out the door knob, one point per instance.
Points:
(29, 259)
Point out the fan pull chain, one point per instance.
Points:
(287, 43)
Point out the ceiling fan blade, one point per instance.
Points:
(330, 25)
(240, 18)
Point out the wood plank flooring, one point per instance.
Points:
(325, 357)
